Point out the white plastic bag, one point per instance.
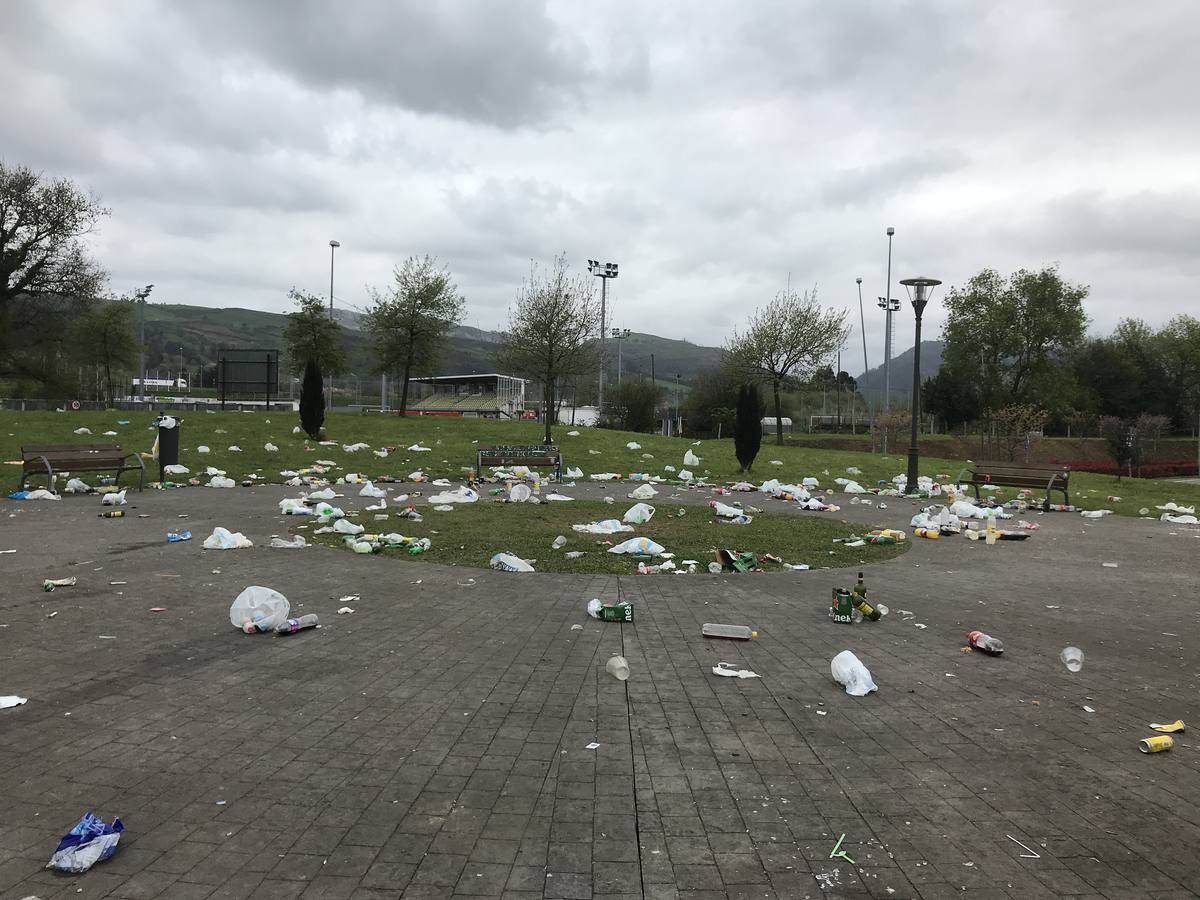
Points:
(634, 445)
(848, 670)
(369, 490)
(77, 486)
(639, 514)
(270, 448)
(506, 562)
(461, 495)
(345, 526)
(202, 449)
(259, 609)
(728, 512)
(326, 494)
(690, 458)
(645, 492)
(686, 475)
(519, 493)
(117, 498)
(224, 539)
(176, 470)
(218, 482)
(639, 545)
(297, 543)
(574, 473)
(607, 526)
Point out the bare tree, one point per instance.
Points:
(551, 331)
(409, 323)
(784, 341)
(43, 265)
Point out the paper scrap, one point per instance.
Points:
(733, 673)
(592, 746)
(12, 700)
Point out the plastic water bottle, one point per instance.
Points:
(733, 632)
(985, 642)
(306, 621)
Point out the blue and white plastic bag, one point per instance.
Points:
(89, 842)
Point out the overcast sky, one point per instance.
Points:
(711, 149)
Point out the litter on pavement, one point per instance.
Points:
(89, 842)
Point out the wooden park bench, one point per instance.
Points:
(55, 459)
(534, 456)
(1000, 474)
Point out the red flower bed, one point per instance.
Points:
(1159, 469)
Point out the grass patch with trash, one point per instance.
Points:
(452, 444)
(472, 533)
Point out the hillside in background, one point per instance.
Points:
(871, 383)
(203, 331)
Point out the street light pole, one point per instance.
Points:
(333, 245)
(862, 321)
(919, 285)
(603, 271)
(887, 339)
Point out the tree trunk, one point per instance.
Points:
(404, 389)
(778, 415)
(108, 381)
(548, 405)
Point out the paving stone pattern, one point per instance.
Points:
(432, 744)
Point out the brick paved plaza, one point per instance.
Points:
(433, 744)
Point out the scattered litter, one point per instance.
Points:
(559, 542)
(607, 526)
(848, 670)
(634, 445)
(223, 539)
(621, 611)
(838, 851)
(1109, 565)
(218, 481)
(117, 498)
(258, 609)
(345, 526)
(51, 583)
(506, 562)
(1072, 658)
(158, 609)
(644, 492)
(89, 842)
(1171, 727)
(11, 700)
(174, 537)
(1156, 744)
(638, 545)
(1030, 852)
(295, 544)
(592, 746)
(577, 627)
(291, 626)
(1088, 709)
(729, 672)
(345, 611)
(618, 667)
(733, 632)
(638, 514)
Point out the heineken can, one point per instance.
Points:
(841, 609)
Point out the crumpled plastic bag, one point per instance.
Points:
(519, 493)
(258, 609)
(461, 495)
(116, 498)
(690, 458)
(634, 445)
(1179, 520)
(728, 512)
(355, 447)
(234, 448)
(574, 473)
(506, 562)
(326, 494)
(77, 486)
(848, 670)
(83, 430)
(295, 544)
(638, 514)
(604, 476)
(39, 494)
(176, 470)
(370, 490)
(1172, 507)
(686, 475)
(218, 482)
(607, 526)
(293, 507)
(89, 842)
(270, 448)
(644, 492)
(224, 539)
(639, 545)
(345, 526)
(417, 448)
(202, 449)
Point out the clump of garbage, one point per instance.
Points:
(224, 539)
(89, 842)
(641, 546)
(848, 671)
(606, 526)
(258, 609)
(507, 562)
(638, 514)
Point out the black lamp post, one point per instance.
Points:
(919, 300)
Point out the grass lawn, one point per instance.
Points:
(452, 451)
(470, 534)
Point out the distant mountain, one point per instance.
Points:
(203, 331)
(901, 381)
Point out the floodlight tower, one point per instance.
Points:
(603, 271)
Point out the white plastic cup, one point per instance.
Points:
(618, 667)
(1072, 658)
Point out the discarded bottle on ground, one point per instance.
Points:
(985, 642)
(309, 620)
(860, 600)
(113, 514)
(932, 534)
(733, 632)
(618, 667)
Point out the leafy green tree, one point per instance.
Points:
(551, 331)
(747, 429)
(312, 400)
(711, 402)
(310, 334)
(105, 335)
(633, 404)
(1178, 344)
(409, 322)
(46, 274)
(1012, 336)
(954, 400)
(785, 341)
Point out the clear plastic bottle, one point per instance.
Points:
(308, 620)
(985, 642)
(733, 632)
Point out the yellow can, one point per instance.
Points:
(1156, 744)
